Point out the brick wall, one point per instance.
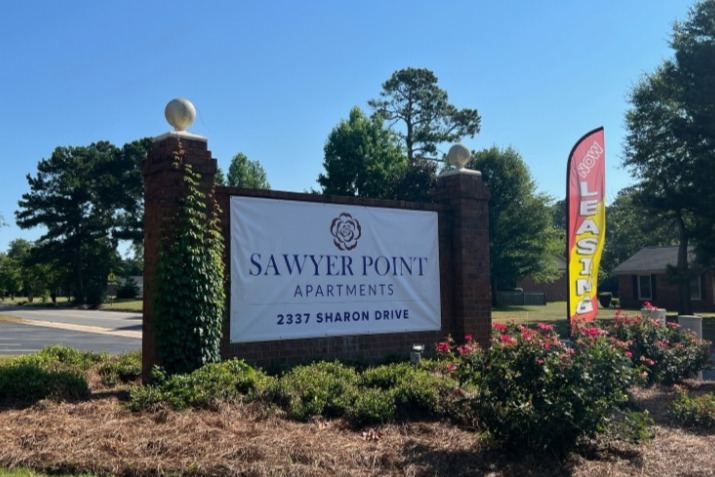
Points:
(554, 291)
(464, 256)
(666, 294)
(461, 204)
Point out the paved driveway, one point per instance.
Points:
(87, 330)
(22, 338)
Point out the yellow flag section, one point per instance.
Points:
(586, 212)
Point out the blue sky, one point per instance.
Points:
(272, 78)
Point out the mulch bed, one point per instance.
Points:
(100, 436)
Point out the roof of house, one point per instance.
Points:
(649, 260)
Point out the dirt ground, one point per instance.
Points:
(100, 436)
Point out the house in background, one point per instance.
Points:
(553, 291)
(642, 278)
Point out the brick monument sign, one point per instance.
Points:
(314, 276)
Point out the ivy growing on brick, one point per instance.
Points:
(189, 301)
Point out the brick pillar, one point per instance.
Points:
(163, 189)
(464, 246)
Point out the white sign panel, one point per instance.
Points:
(304, 270)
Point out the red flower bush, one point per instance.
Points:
(529, 389)
(664, 353)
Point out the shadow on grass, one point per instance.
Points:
(122, 395)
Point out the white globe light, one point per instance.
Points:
(458, 156)
(180, 113)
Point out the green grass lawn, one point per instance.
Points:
(122, 304)
(553, 311)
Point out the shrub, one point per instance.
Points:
(55, 372)
(534, 392)
(387, 376)
(372, 406)
(128, 289)
(96, 291)
(424, 396)
(123, 368)
(205, 387)
(323, 388)
(63, 358)
(24, 384)
(666, 353)
(146, 398)
(416, 391)
(696, 411)
(628, 425)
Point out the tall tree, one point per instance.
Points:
(417, 181)
(362, 159)
(120, 187)
(629, 230)
(522, 240)
(558, 214)
(132, 264)
(423, 118)
(87, 198)
(670, 144)
(243, 172)
(558, 222)
(10, 281)
(694, 44)
(35, 278)
(411, 97)
(220, 178)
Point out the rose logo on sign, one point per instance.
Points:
(346, 231)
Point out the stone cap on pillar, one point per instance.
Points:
(180, 113)
(458, 156)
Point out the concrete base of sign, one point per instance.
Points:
(693, 323)
(657, 314)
